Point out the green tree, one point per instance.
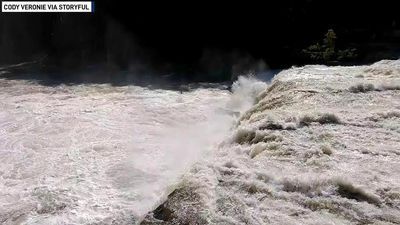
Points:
(327, 52)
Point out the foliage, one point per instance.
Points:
(327, 52)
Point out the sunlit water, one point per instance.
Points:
(321, 145)
(98, 154)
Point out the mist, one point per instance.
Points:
(198, 113)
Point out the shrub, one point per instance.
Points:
(327, 52)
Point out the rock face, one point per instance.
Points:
(320, 146)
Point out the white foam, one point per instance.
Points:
(89, 154)
(311, 150)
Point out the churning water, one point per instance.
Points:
(97, 154)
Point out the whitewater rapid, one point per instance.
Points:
(321, 145)
(102, 154)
